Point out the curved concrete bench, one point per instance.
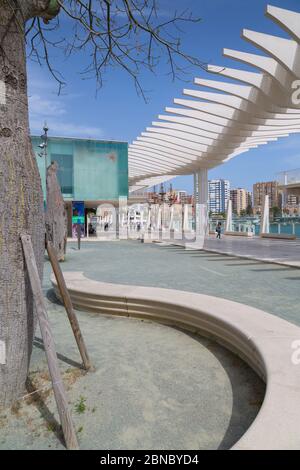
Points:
(263, 340)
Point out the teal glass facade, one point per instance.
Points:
(89, 170)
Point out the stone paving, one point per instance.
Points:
(155, 387)
(286, 252)
(267, 286)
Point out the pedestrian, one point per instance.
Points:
(218, 230)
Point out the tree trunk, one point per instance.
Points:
(56, 214)
(21, 203)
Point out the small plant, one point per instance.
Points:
(80, 429)
(94, 409)
(80, 405)
(51, 427)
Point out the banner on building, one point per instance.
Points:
(78, 218)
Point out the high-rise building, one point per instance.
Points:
(249, 199)
(239, 199)
(292, 200)
(219, 194)
(289, 186)
(181, 195)
(269, 188)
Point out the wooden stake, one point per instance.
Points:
(68, 305)
(57, 384)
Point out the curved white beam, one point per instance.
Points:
(210, 142)
(153, 155)
(285, 51)
(233, 134)
(168, 151)
(288, 20)
(215, 126)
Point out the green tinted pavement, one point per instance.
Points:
(270, 287)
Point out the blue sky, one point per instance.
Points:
(118, 113)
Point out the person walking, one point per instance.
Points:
(218, 230)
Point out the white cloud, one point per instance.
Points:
(39, 106)
(44, 105)
(64, 129)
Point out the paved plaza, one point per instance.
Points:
(270, 287)
(155, 387)
(286, 252)
(162, 374)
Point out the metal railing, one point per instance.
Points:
(285, 178)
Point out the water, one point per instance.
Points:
(286, 228)
(289, 228)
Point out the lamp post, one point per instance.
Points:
(44, 154)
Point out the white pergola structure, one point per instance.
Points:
(215, 126)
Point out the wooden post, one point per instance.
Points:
(57, 384)
(78, 235)
(68, 304)
(56, 215)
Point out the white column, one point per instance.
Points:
(171, 217)
(203, 186)
(265, 217)
(99, 225)
(228, 227)
(195, 188)
(202, 209)
(128, 220)
(149, 218)
(196, 200)
(163, 215)
(158, 220)
(186, 217)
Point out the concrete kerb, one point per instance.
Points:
(193, 246)
(264, 341)
(253, 258)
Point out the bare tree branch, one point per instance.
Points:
(130, 34)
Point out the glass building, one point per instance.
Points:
(90, 172)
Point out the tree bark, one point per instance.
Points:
(21, 201)
(56, 214)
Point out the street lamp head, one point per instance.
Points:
(45, 128)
